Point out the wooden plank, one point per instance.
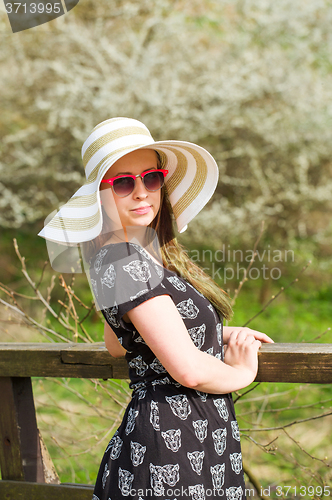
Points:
(27, 360)
(20, 490)
(299, 363)
(20, 445)
(59, 360)
(94, 354)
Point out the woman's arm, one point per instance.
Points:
(112, 343)
(161, 326)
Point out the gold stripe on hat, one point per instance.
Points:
(196, 186)
(110, 120)
(84, 200)
(111, 136)
(180, 171)
(70, 224)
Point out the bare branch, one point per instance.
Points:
(46, 263)
(318, 336)
(255, 482)
(289, 408)
(267, 448)
(281, 427)
(31, 283)
(244, 279)
(241, 395)
(274, 297)
(323, 461)
(42, 329)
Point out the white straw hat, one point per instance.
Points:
(190, 183)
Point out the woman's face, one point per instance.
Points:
(141, 206)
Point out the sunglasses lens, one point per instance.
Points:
(153, 180)
(123, 186)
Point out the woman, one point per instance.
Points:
(179, 437)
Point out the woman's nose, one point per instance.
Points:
(140, 190)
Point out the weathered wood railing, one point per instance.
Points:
(25, 472)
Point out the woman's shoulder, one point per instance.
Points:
(126, 256)
(123, 275)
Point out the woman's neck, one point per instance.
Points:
(146, 237)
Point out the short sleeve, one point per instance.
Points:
(123, 276)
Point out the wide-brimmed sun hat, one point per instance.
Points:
(191, 180)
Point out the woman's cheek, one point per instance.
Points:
(109, 206)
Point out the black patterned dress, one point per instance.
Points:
(174, 443)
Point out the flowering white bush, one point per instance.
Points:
(249, 80)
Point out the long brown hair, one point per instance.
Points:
(176, 259)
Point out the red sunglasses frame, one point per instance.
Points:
(112, 179)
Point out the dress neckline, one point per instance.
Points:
(136, 244)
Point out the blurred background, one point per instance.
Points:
(249, 80)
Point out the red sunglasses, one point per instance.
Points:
(123, 185)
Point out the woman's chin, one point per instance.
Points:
(139, 221)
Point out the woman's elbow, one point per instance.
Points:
(188, 370)
(191, 383)
(116, 351)
(117, 354)
(189, 378)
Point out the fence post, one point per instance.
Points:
(20, 450)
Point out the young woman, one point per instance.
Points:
(179, 437)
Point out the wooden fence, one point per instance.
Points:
(26, 469)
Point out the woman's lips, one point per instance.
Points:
(142, 210)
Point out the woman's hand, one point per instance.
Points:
(241, 347)
(228, 330)
(241, 353)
